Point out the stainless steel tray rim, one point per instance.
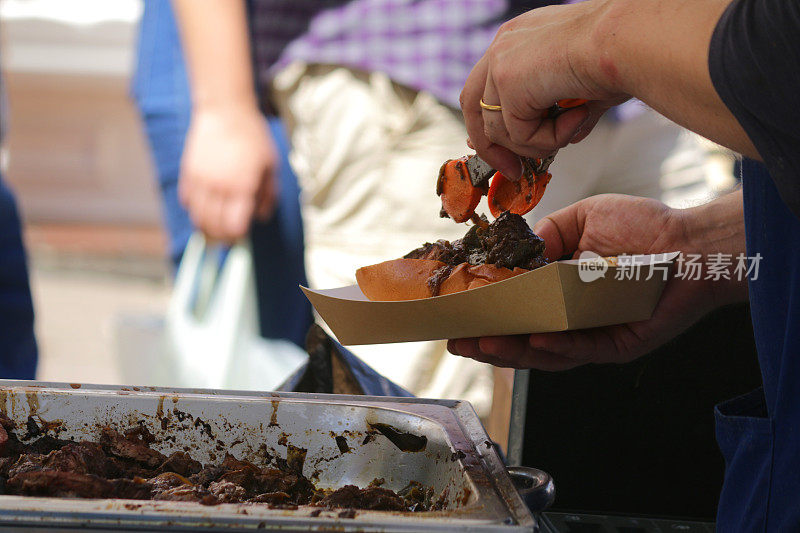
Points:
(462, 423)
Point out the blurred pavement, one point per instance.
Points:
(87, 283)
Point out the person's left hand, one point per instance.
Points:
(535, 60)
(612, 224)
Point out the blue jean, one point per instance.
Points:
(18, 353)
(161, 92)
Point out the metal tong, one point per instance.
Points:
(480, 171)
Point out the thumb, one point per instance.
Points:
(561, 231)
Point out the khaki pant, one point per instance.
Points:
(367, 153)
(646, 155)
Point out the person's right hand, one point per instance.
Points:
(535, 60)
(228, 171)
(613, 224)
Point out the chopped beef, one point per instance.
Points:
(139, 433)
(181, 493)
(6, 422)
(507, 242)
(133, 447)
(208, 474)
(270, 497)
(5, 465)
(123, 465)
(80, 457)
(227, 492)
(439, 276)
(33, 428)
(54, 483)
(232, 463)
(174, 487)
(43, 445)
(246, 477)
(274, 480)
(373, 498)
(181, 463)
(166, 481)
(29, 462)
(441, 250)
(130, 489)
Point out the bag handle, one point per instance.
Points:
(210, 305)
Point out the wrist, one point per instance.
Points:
(611, 47)
(716, 228)
(599, 57)
(237, 102)
(233, 109)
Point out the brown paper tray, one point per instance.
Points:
(551, 298)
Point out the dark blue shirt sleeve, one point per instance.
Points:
(754, 61)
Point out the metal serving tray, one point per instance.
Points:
(454, 455)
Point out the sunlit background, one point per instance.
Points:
(76, 157)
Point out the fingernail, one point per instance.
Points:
(516, 176)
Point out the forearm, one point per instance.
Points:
(216, 45)
(657, 51)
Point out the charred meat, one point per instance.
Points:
(507, 242)
(123, 465)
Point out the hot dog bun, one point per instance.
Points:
(412, 279)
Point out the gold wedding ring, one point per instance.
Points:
(490, 107)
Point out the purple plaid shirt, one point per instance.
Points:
(428, 45)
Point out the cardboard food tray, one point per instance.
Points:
(550, 298)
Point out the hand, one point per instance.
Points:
(535, 60)
(610, 225)
(228, 171)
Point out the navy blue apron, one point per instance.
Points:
(759, 433)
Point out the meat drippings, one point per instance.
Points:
(123, 465)
(439, 276)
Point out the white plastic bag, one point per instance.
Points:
(212, 330)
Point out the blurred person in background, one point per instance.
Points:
(234, 157)
(369, 92)
(371, 102)
(18, 351)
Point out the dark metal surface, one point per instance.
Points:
(535, 486)
(587, 523)
(519, 406)
(479, 171)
